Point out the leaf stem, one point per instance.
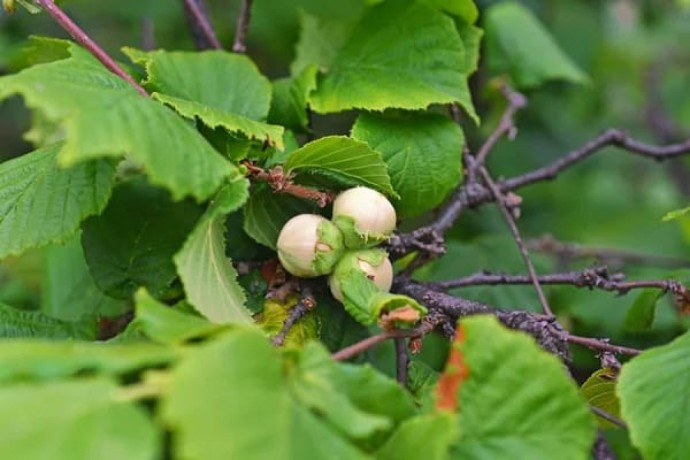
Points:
(80, 36)
(606, 416)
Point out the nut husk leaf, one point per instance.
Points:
(373, 263)
(353, 238)
(362, 298)
(309, 245)
(365, 217)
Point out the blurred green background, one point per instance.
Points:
(636, 56)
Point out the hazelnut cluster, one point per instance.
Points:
(310, 245)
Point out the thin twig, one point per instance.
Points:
(611, 137)
(80, 36)
(304, 306)
(148, 41)
(592, 278)
(402, 361)
(202, 30)
(364, 345)
(281, 182)
(361, 346)
(608, 417)
(506, 125)
(510, 220)
(240, 46)
(600, 344)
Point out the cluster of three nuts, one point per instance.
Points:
(310, 245)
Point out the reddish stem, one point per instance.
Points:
(80, 36)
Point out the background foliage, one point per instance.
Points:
(91, 243)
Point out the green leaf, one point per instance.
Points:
(422, 152)
(318, 387)
(518, 401)
(50, 360)
(338, 329)
(41, 203)
(230, 82)
(375, 393)
(319, 41)
(267, 211)
(600, 391)
(19, 323)
(465, 9)
(380, 67)
(166, 325)
(39, 50)
(520, 45)
(654, 391)
(214, 118)
(343, 160)
(69, 292)
(84, 421)
(671, 215)
(132, 243)
(240, 378)
(220, 88)
(290, 100)
(426, 436)
(471, 37)
(421, 381)
(28, 5)
(641, 313)
(103, 116)
(207, 274)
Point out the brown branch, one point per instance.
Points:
(510, 220)
(239, 46)
(601, 450)
(281, 182)
(592, 278)
(544, 329)
(608, 256)
(80, 36)
(506, 126)
(445, 310)
(202, 31)
(474, 194)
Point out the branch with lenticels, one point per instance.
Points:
(474, 194)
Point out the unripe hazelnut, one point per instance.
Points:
(373, 263)
(309, 245)
(365, 217)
